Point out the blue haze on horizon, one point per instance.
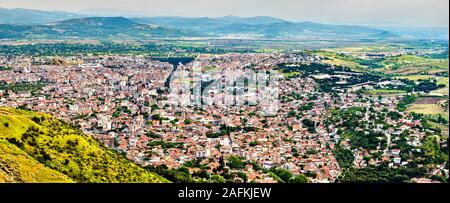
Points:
(411, 13)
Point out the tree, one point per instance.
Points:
(243, 176)
(202, 174)
(234, 162)
(344, 157)
(298, 179)
(254, 143)
(292, 114)
(217, 179)
(310, 125)
(284, 174)
(184, 170)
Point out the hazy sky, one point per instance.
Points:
(424, 13)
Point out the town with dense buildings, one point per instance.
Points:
(318, 133)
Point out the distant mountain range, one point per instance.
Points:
(24, 23)
(22, 16)
(92, 27)
(265, 27)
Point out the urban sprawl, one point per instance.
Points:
(125, 101)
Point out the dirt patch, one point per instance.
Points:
(428, 100)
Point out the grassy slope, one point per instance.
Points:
(17, 166)
(67, 154)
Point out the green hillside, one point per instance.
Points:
(16, 166)
(36, 147)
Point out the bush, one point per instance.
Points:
(298, 179)
(217, 179)
(282, 173)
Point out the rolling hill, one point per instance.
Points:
(181, 27)
(267, 27)
(36, 147)
(92, 28)
(20, 16)
(22, 23)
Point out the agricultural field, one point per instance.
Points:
(428, 106)
(431, 107)
(368, 48)
(442, 91)
(393, 60)
(411, 64)
(341, 60)
(385, 92)
(416, 77)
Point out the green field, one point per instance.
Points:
(291, 74)
(411, 64)
(338, 60)
(398, 65)
(368, 48)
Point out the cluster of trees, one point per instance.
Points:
(153, 135)
(165, 145)
(343, 156)
(348, 118)
(235, 162)
(183, 175)
(4, 68)
(433, 152)
(222, 174)
(120, 110)
(380, 174)
(306, 107)
(211, 134)
(368, 140)
(201, 174)
(421, 85)
(107, 47)
(327, 84)
(310, 125)
(285, 176)
(158, 117)
(23, 86)
(311, 69)
(405, 101)
(180, 175)
(67, 49)
(280, 174)
(226, 130)
(428, 86)
(441, 55)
